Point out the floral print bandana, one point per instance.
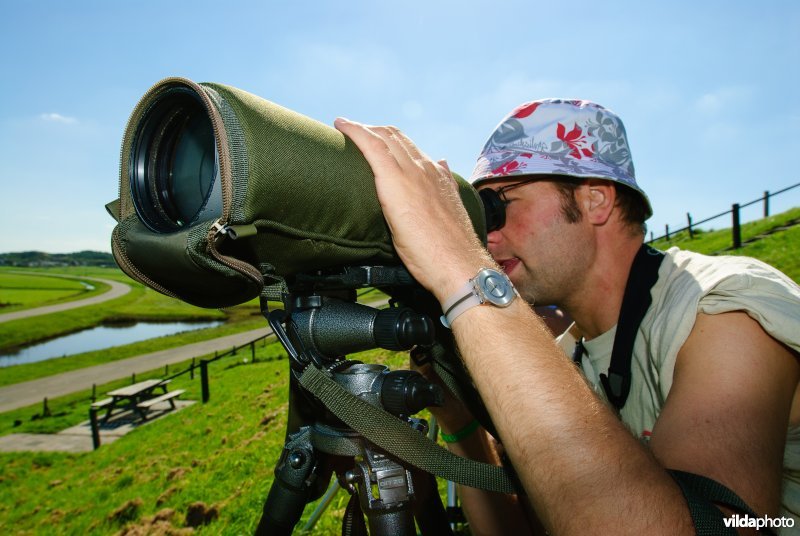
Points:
(561, 137)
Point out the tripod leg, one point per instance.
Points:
(290, 490)
(323, 505)
(429, 511)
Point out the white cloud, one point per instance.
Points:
(58, 118)
(413, 110)
(723, 98)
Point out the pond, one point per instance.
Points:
(98, 338)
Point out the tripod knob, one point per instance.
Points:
(296, 459)
(405, 392)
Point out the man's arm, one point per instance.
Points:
(728, 409)
(487, 512)
(583, 471)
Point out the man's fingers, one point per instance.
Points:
(374, 147)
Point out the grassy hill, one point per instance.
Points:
(208, 468)
(774, 240)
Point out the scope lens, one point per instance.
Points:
(174, 165)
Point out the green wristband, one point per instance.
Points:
(461, 434)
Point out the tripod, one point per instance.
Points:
(318, 330)
(391, 494)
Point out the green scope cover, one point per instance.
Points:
(298, 195)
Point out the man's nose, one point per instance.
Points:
(493, 241)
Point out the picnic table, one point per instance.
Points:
(139, 397)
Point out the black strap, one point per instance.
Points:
(577, 353)
(353, 520)
(397, 438)
(702, 495)
(635, 302)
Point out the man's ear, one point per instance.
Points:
(599, 200)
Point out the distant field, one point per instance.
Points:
(20, 291)
(140, 304)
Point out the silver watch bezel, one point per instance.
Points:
(484, 285)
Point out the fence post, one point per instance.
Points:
(95, 428)
(737, 230)
(253, 352)
(94, 392)
(191, 370)
(666, 234)
(166, 369)
(689, 218)
(133, 377)
(45, 408)
(766, 203)
(204, 379)
(651, 236)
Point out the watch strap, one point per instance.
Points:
(474, 293)
(461, 306)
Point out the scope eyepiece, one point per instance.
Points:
(174, 165)
(494, 209)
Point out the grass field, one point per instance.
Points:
(220, 455)
(20, 290)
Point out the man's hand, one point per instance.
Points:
(430, 227)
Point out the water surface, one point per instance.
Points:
(98, 338)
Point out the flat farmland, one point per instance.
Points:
(20, 291)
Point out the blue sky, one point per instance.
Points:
(708, 91)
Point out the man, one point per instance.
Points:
(712, 382)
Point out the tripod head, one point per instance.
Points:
(320, 325)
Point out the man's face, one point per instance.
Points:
(544, 255)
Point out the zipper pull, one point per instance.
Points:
(218, 229)
(232, 231)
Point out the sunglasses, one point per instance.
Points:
(495, 202)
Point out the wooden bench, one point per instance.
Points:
(150, 402)
(100, 404)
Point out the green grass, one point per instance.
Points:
(19, 291)
(779, 249)
(221, 454)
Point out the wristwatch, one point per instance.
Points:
(489, 286)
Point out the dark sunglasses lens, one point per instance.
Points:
(494, 208)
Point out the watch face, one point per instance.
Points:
(495, 287)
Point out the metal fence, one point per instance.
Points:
(735, 212)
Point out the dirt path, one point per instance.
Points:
(31, 392)
(117, 289)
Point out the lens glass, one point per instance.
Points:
(190, 166)
(174, 168)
